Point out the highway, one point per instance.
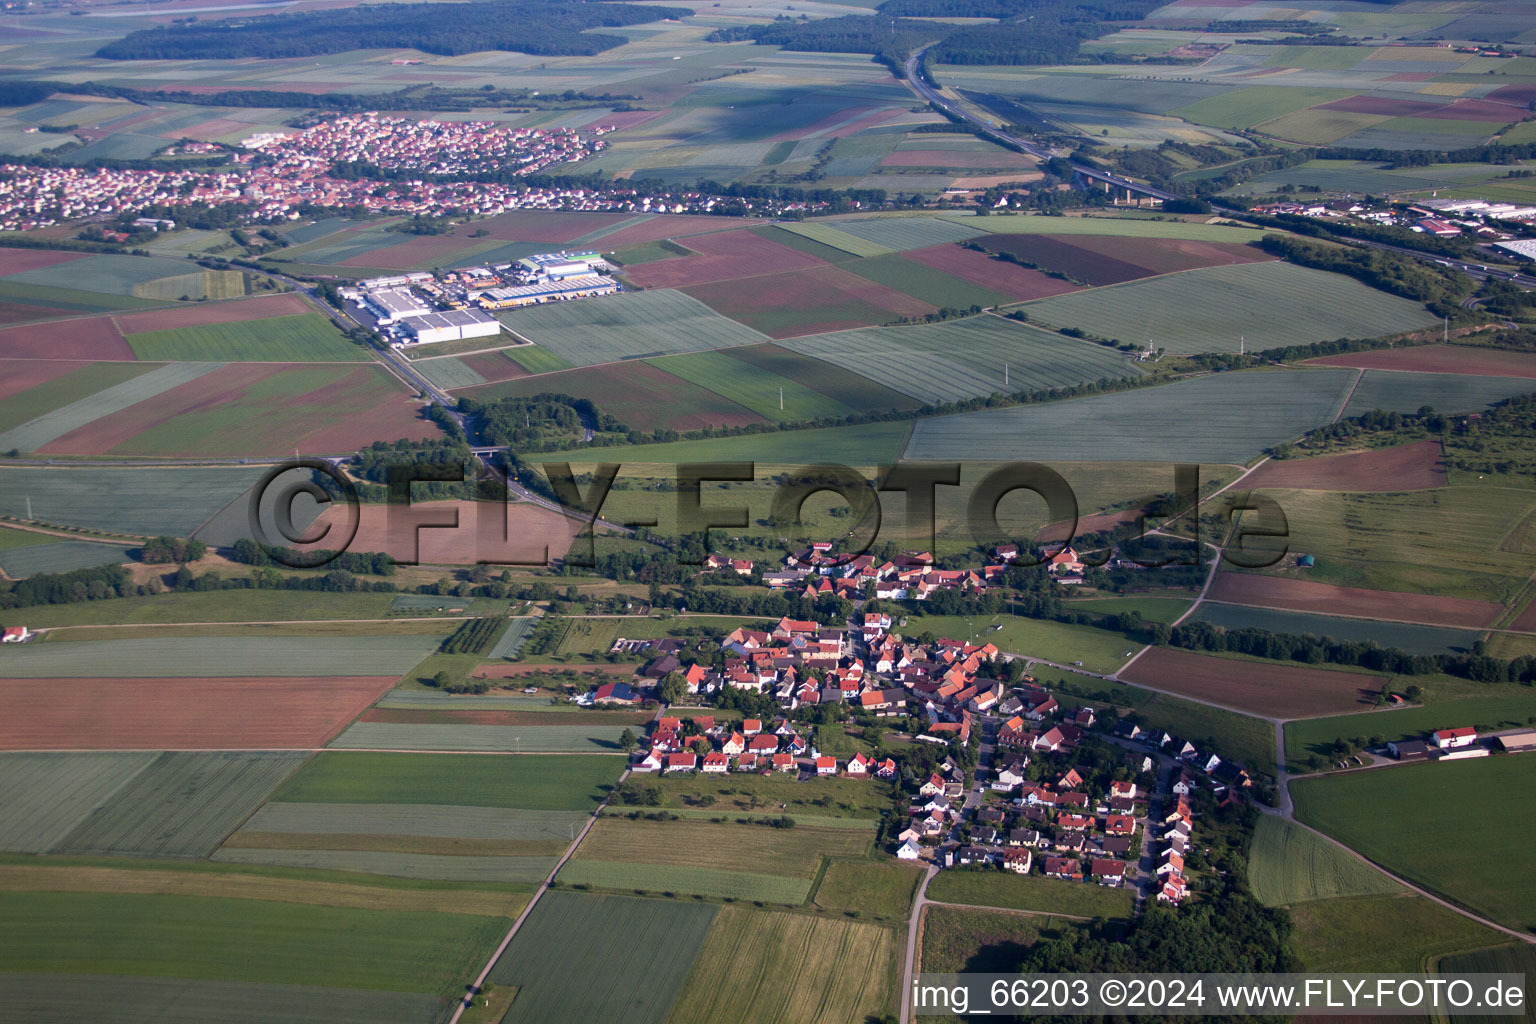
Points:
(929, 93)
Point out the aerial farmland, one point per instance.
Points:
(533, 511)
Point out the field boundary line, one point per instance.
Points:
(1344, 404)
(466, 1000)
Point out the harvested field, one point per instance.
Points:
(1018, 283)
(647, 947)
(1492, 362)
(493, 366)
(259, 409)
(843, 970)
(88, 337)
(392, 530)
(14, 261)
(810, 301)
(723, 256)
(1405, 467)
(46, 795)
(1323, 598)
(641, 395)
(1279, 691)
(158, 714)
(182, 805)
(207, 313)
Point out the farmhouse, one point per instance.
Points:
(1451, 739)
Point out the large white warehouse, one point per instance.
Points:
(452, 325)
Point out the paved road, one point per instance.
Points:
(914, 925)
(506, 941)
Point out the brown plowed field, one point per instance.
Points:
(1016, 282)
(481, 716)
(94, 338)
(1115, 260)
(1272, 691)
(667, 225)
(529, 529)
(1490, 362)
(539, 226)
(14, 261)
(20, 313)
(1326, 599)
(1526, 620)
(1478, 110)
(1381, 105)
(811, 301)
(493, 366)
(1406, 467)
(263, 307)
(170, 714)
(17, 375)
(421, 249)
(724, 256)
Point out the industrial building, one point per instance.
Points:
(391, 305)
(558, 266)
(528, 294)
(1525, 248)
(452, 325)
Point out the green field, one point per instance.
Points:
(222, 657)
(588, 738)
(58, 556)
(448, 372)
(144, 500)
(864, 445)
(898, 233)
(752, 387)
(1226, 418)
(120, 999)
(983, 888)
(628, 326)
(959, 940)
(1129, 227)
(512, 639)
(1152, 609)
(1412, 638)
(145, 277)
(626, 876)
(1444, 541)
(1281, 303)
(46, 795)
(859, 799)
(827, 234)
(1244, 108)
(243, 940)
(1401, 391)
(1099, 650)
(1519, 958)
(425, 820)
(1394, 816)
(764, 967)
(306, 338)
(1403, 934)
(181, 805)
(583, 957)
(550, 783)
(250, 605)
(882, 891)
(144, 387)
(535, 359)
(1287, 864)
(1316, 736)
(921, 281)
(528, 871)
(87, 379)
(962, 359)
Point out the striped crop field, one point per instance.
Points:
(307, 337)
(46, 795)
(50, 426)
(511, 641)
(968, 358)
(826, 234)
(639, 952)
(899, 233)
(843, 970)
(1126, 227)
(1288, 864)
(540, 738)
(139, 500)
(541, 783)
(1266, 305)
(221, 657)
(443, 868)
(504, 823)
(182, 805)
(628, 326)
